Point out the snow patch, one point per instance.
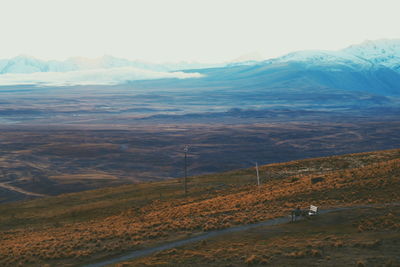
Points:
(91, 77)
(365, 55)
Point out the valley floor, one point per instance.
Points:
(54, 160)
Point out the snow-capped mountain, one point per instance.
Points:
(379, 53)
(365, 55)
(374, 65)
(371, 67)
(23, 64)
(83, 71)
(322, 58)
(28, 64)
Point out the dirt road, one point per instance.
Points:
(20, 190)
(202, 236)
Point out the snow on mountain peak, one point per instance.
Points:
(381, 52)
(79, 70)
(365, 55)
(378, 46)
(321, 58)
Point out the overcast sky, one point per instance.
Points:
(186, 30)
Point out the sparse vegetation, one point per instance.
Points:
(54, 160)
(86, 226)
(328, 240)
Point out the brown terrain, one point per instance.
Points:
(88, 227)
(51, 160)
(354, 237)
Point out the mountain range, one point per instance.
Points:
(369, 54)
(372, 67)
(28, 64)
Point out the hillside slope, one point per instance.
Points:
(88, 226)
(354, 237)
(371, 67)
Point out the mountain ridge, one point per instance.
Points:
(371, 67)
(384, 52)
(369, 53)
(27, 64)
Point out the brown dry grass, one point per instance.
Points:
(331, 239)
(160, 220)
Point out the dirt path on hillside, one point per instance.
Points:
(202, 236)
(20, 190)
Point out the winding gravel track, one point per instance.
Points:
(20, 190)
(148, 251)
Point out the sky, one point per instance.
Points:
(208, 31)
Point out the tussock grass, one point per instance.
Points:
(80, 227)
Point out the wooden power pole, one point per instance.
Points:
(186, 149)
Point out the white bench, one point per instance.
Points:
(313, 210)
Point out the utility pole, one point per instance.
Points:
(258, 175)
(186, 149)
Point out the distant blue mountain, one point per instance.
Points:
(372, 67)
